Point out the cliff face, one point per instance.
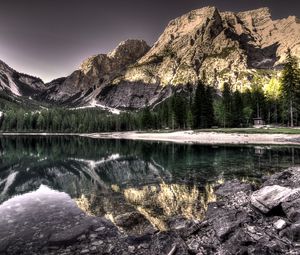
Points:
(206, 44)
(218, 46)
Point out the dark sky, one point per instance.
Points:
(50, 38)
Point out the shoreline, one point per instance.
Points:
(190, 137)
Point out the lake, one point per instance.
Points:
(46, 181)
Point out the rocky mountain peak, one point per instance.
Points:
(126, 53)
(129, 50)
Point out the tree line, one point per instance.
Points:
(277, 102)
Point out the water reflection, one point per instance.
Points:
(113, 178)
(28, 220)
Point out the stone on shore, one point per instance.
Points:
(270, 197)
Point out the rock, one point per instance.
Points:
(163, 243)
(69, 235)
(97, 243)
(280, 224)
(134, 223)
(270, 197)
(227, 222)
(295, 232)
(131, 249)
(234, 186)
(100, 229)
(292, 209)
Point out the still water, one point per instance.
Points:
(49, 175)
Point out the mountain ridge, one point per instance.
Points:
(203, 44)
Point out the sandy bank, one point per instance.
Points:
(184, 137)
(202, 137)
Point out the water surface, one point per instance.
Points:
(113, 178)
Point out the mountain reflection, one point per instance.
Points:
(117, 177)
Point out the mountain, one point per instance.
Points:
(206, 44)
(218, 46)
(19, 84)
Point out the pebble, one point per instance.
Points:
(97, 243)
(93, 236)
(144, 246)
(280, 224)
(131, 249)
(100, 229)
(81, 238)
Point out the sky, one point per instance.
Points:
(50, 38)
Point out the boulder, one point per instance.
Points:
(228, 222)
(292, 209)
(270, 197)
(295, 228)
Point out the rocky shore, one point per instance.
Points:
(245, 219)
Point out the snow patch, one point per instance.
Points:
(94, 104)
(9, 181)
(13, 87)
(264, 61)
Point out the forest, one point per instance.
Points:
(277, 103)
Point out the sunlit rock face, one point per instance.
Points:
(219, 47)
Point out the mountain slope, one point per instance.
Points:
(18, 84)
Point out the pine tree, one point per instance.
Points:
(227, 104)
(198, 106)
(146, 118)
(237, 109)
(180, 110)
(209, 108)
(291, 85)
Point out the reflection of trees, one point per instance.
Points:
(160, 202)
(156, 178)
